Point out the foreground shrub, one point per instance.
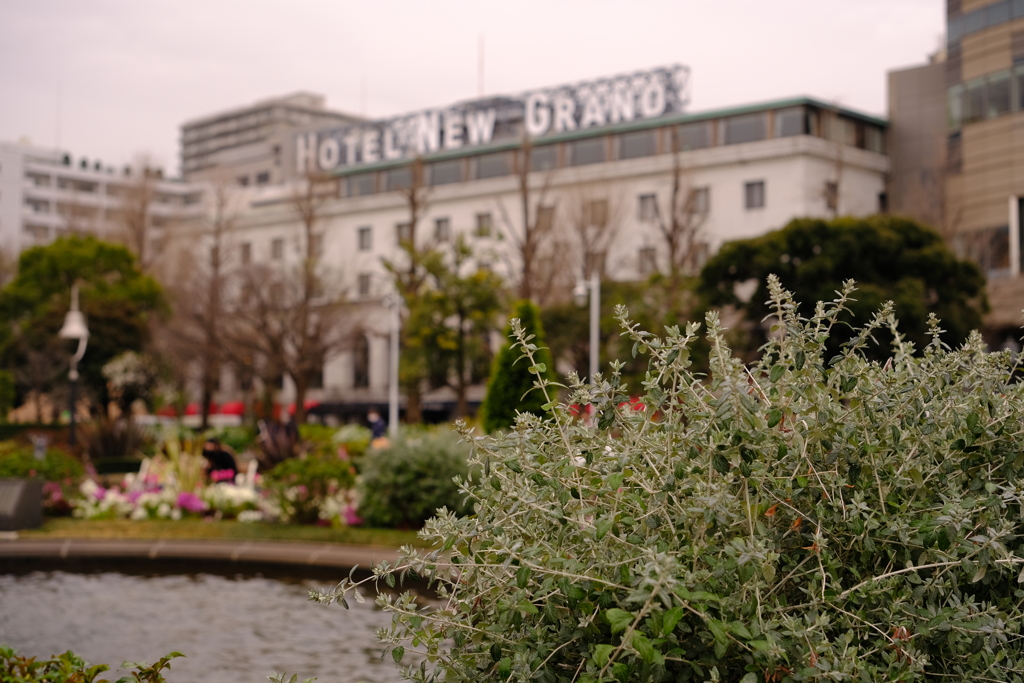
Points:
(60, 471)
(70, 668)
(809, 518)
(307, 490)
(404, 484)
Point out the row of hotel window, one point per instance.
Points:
(986, 97)
(638, 144)
(698, 202)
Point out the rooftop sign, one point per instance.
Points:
(641, 95)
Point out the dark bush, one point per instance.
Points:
(404, 484)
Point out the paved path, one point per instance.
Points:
(262, 552)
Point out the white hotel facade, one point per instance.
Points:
(751, 169)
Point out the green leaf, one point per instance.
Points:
(603, 526)
(642, 645)
(750, 677)
(719, 631)
(774, 417)
(495, 652)
(602, 653)
(721, 464)
(504, 667)
(397, 654)
(776, 373)
(619, 619)
(798, 360)
(671, 618)
(522, 576)
(527, 607)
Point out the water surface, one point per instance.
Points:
(232, 629)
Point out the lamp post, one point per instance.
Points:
(75, 329)
(393, 302)
(592, 287)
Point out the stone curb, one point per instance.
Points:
(257, 552)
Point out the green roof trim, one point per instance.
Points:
(613, 129)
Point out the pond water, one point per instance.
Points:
(231, 629)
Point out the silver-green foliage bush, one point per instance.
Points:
(806, 518)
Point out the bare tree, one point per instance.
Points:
(679, 224)
(536, 225)
(289, 317)
(588, 227)
(199, 286)
(133, 216)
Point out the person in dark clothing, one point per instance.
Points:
(378, 427)
(219, 460)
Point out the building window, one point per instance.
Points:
(363, 285)
(403, 232)
(361, 362)
(593, 263)
(753, 194)
(365, 238)
(446, 172)
(700, 200)
(642, 143)
(648, 260)
(246, 253)
(691, 136)
(277, 249)
(363, 184)
(442, 229)
(263, 178)
(316, 245)
(831, 195)
(955, 106)
(974, 100)
(483, 225)
(583, 152)
(315, 377)
(399, 179)
(883, 202)
(544, 158)
(648, 207)
(545, 219)
(493, 165)
(998, 94)
(595, 213)
(750, 128)
(243, 180)
(790, 122)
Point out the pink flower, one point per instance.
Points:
(133, 497)
(191, 502)
(351, 518)
(222, 475)
(100, 494)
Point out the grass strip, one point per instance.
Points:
(191, 529)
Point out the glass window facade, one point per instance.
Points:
(493, 165)
(583, 152)
(446, 172)
(790, 122)
(690, 136)
(974, 100)
(642, 143)
(998, 94)
(750, 128)
(753, 195)
(544, 158)
(363, 184)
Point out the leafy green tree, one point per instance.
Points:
(891, 258)
(451, 320)
(511, 386)
(116, 297)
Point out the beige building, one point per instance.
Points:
(978, 165)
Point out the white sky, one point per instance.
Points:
(124, 74)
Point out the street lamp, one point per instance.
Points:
(579, 293)
(75, 329)
(393, 302)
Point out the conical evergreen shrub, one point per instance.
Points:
(510, 388)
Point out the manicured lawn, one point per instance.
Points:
(66, 527)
